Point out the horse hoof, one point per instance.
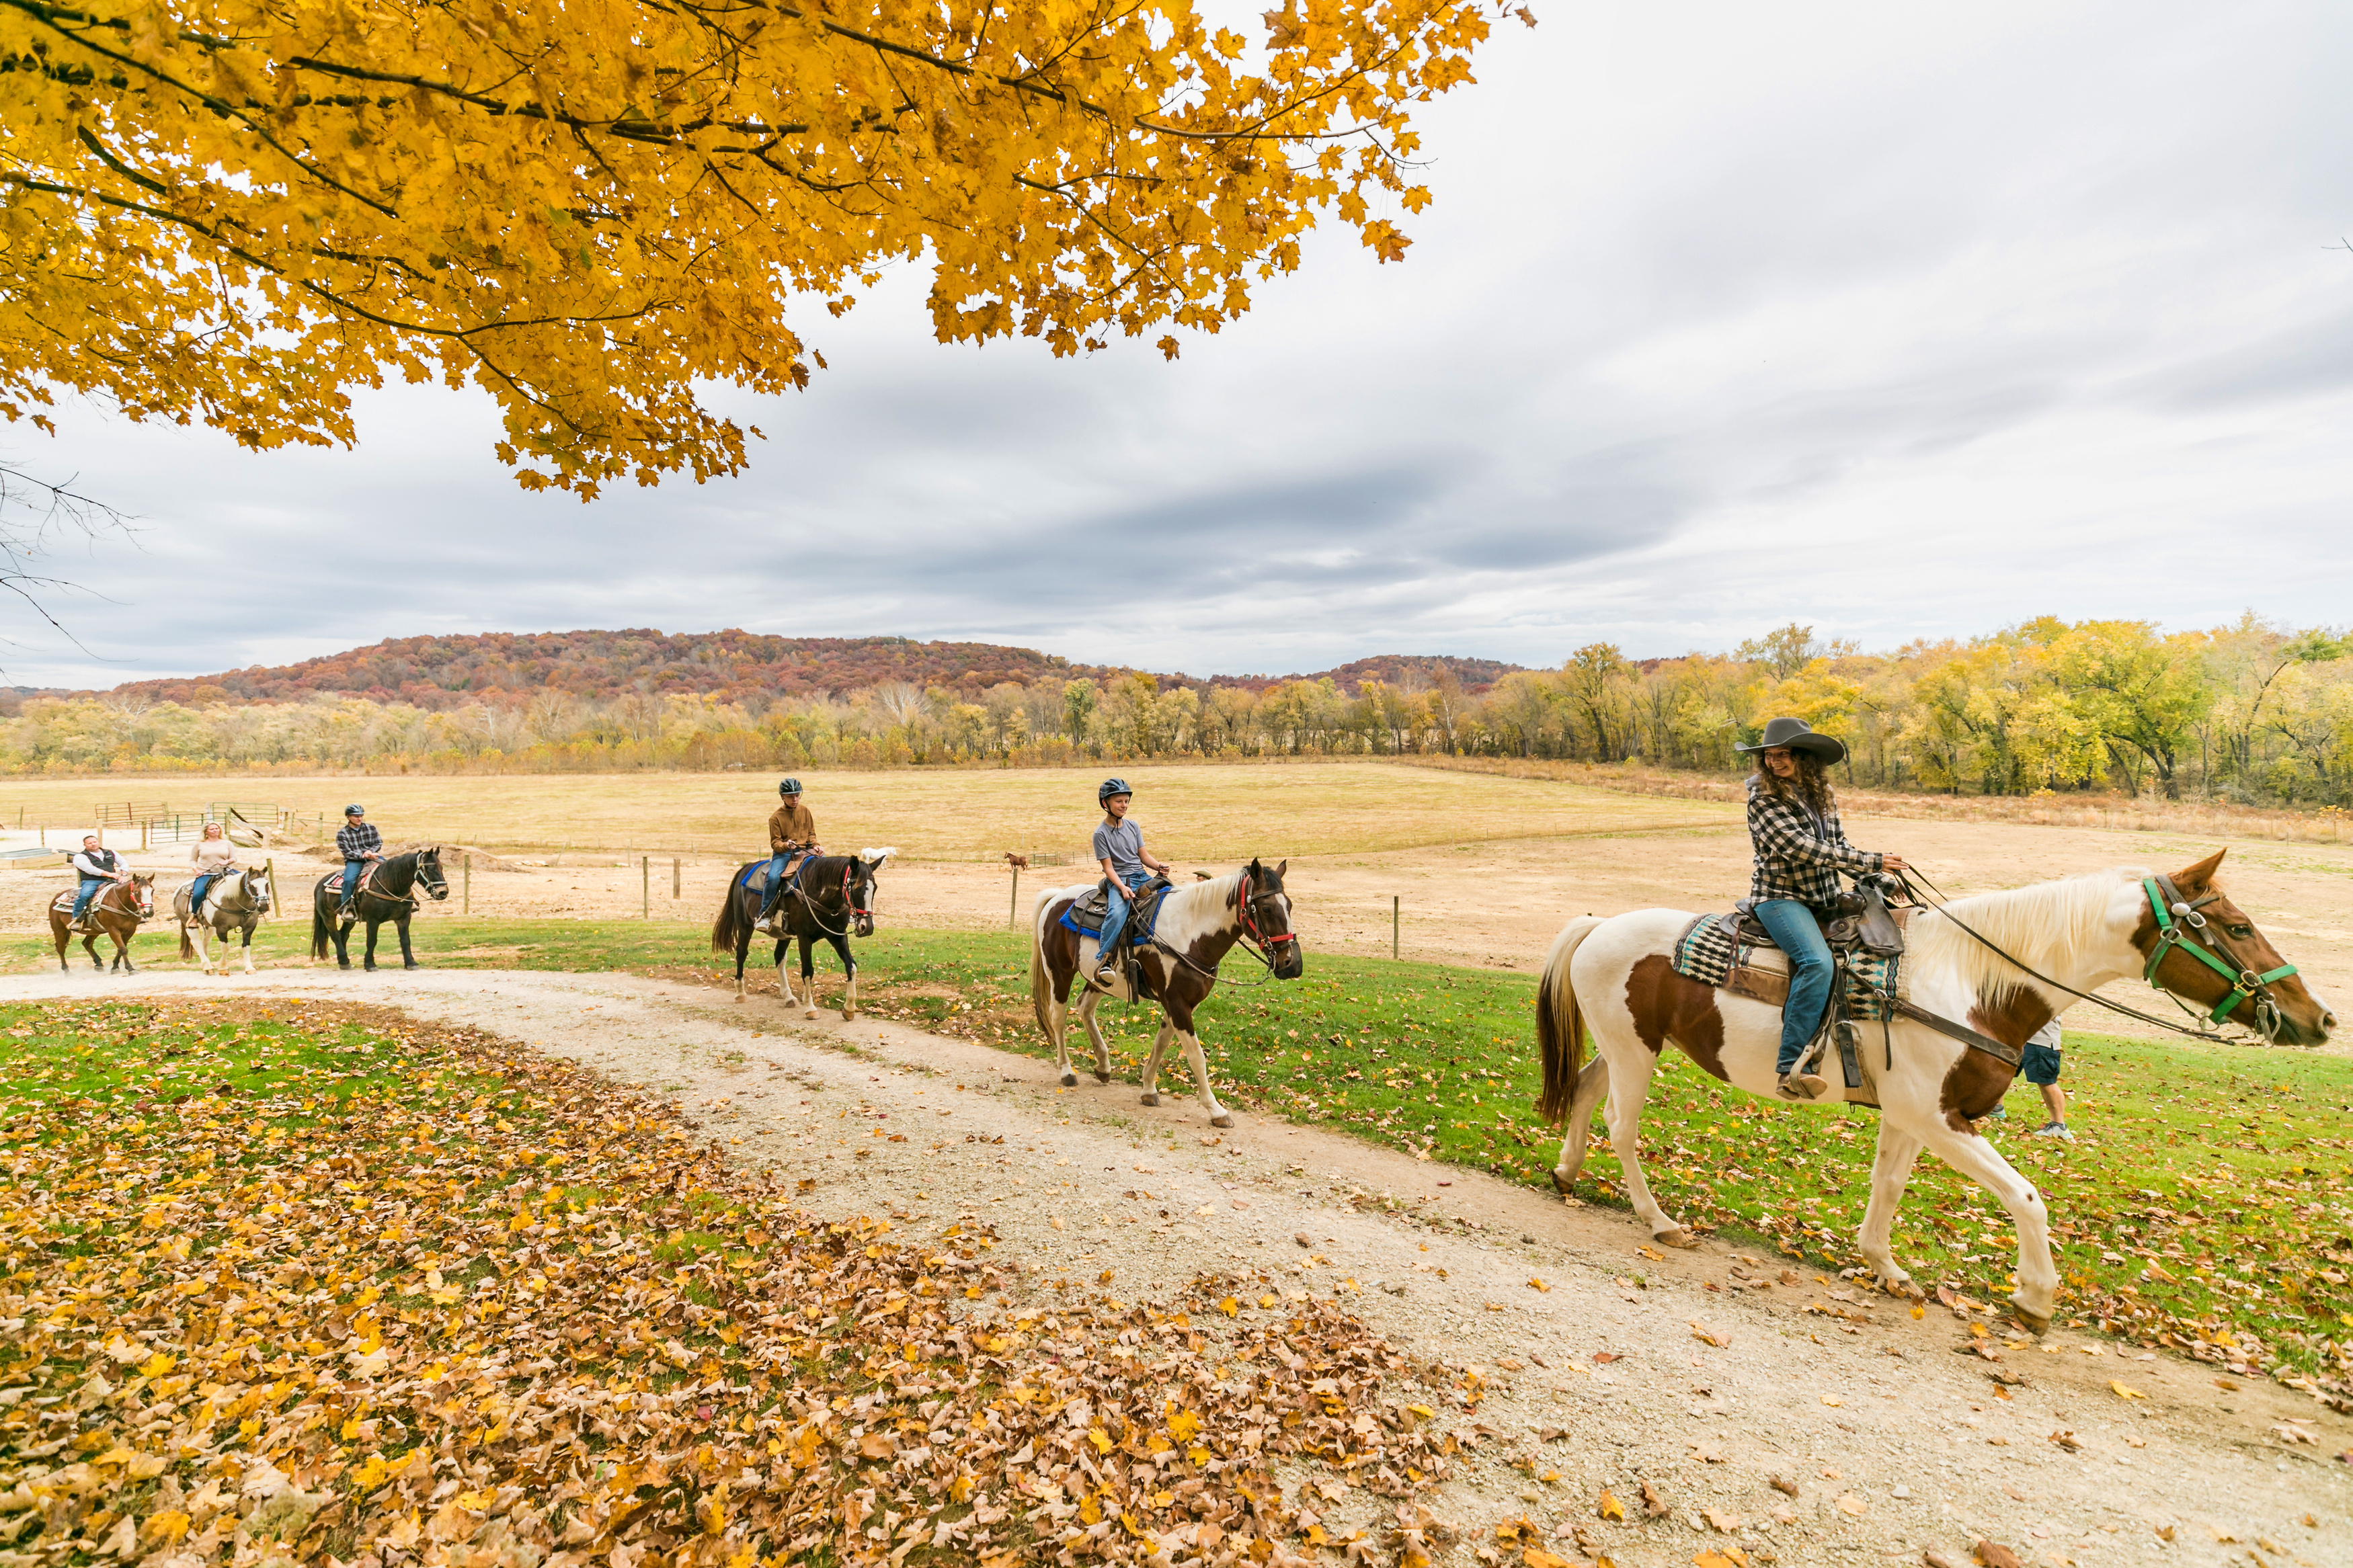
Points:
(1677, 1237)
(411, 966)
(848, 1015)
(1562, 1185)
(1151, 1099)
(1221, 1119)
(1069, 1080)
(1102, 1077)
(811, 1013)
(739, 1000)
(343, 966)
(2035, 1324)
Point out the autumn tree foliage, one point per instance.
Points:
(238, 211)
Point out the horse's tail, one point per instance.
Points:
(729, 928)
(188, 948)
(1560, 1024)
(322, 933)
(1041, 979)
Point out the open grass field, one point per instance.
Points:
(1209, 813)
(2208, 1205)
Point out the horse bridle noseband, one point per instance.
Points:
(2180, 925)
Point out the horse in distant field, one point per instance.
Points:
(832, 897)
(386, 893)
(115, 911)
(1177, 965)
(1970, 1004)
(235, 901)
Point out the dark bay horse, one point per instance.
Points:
(389, 894)
(836, 901)
(115, 910)
(236, 902)
(1177, 965)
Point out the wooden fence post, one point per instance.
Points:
(1013, 915)
(645, 887)
(673, 877)
(466, 901)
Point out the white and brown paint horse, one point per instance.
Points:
(115, 911)
(235, 900)
(1196, 927)
(1613, 975)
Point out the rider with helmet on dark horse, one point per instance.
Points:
(1127, 866)
(792, 838)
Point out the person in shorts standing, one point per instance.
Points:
(2040, 1067)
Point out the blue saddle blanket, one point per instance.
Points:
(1087, 915)
(755, 875)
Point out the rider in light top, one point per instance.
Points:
(211, 856)
(1126, 864)
(96, 866)
(792, 835)
(360, 843)
(1793, 825)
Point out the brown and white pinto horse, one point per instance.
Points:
(1613, 975)
(1196, 927)
(115, 911)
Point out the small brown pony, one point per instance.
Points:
(1177, 963)
(116, 911)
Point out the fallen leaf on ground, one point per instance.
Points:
(2121, 1392)
(1653, 1505)
(1848, 1503)
(1994, 1554)
(1609, 1506)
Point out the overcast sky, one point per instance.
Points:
(1901, 321)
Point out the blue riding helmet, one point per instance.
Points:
(355, 811)
(790, 786)
(1110, 788)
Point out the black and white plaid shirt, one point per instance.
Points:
(1800, 856)
(356, 838)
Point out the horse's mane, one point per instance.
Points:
(2039, 925)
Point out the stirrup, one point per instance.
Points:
(1800, 1085)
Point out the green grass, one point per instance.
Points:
(2204, 1204)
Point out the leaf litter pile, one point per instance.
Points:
(321, 1285)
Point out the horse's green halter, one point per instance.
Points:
(2179, 925)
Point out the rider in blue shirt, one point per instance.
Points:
(1127, 866)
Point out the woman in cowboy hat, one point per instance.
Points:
(1793, 826)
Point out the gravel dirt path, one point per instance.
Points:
(1760, 1404)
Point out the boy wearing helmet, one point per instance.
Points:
(360, 843)
(1126, 864)
(792, 834)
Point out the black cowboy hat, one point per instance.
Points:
(1794, 734)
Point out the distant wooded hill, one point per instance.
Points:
(445, 672)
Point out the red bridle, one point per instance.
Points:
(1251, 928)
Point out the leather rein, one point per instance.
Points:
(850, 908)
(2180, 924)
(1255, 938)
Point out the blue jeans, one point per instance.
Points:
(352, 871)
(197, 889)
(90, 887)
(775, 890)
(1116, 914)
(1793, 925)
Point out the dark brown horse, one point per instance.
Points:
(115, 911)
(1177, 966)
(388, 894)
(835, 899)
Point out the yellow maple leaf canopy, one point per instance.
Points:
(238, 211)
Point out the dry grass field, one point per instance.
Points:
(1484, 868)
